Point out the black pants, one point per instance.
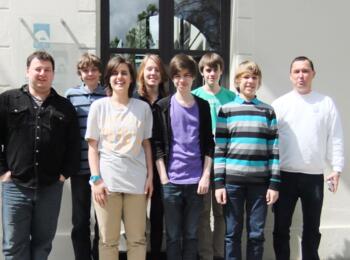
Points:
(156, 218)
(81, 208)
(309, 188)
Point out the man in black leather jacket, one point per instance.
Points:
(39, 136)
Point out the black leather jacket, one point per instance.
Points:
(38, 142)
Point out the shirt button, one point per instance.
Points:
(38, 117)
(35, 107)
(36, 163)
(38, 127)
(36, 151)
(37, 138)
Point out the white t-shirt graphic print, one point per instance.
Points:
(120, 133)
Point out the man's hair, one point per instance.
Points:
(211, 59)
(302, 58)
(42, 56)
(182, 62)
(88, 60)
(112, 65)
(142, 90)
(247, 67)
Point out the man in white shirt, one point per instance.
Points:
(311, 137)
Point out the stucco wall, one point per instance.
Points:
(272, 33)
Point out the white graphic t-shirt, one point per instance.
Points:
(120, 133)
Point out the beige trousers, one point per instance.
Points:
(131, 208)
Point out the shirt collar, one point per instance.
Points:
(98, 90)
(240, 100)
(25, 89)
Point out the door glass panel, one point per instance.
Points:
(134, 24)
(134, 57)
(197, 25)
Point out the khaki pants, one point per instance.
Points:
(131, 208)
(211, 243)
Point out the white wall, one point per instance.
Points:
(272, 33)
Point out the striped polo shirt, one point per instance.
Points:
(246, 144)
(81, 98)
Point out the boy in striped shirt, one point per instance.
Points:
(246, 164)
(82, 96)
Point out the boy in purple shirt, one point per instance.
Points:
(184, 149)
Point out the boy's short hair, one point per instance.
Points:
(42, 56)
(182, 62)
(211, 59)
(87, 60)
(247, 67)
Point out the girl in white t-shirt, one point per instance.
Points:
(118, 131)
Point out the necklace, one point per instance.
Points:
(37, 100)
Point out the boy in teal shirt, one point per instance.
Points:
(211, 244)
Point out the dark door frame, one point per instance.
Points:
(166, 35)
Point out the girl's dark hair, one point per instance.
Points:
(112, 65)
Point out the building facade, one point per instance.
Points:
(270, 32)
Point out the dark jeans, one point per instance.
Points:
(309, 188)
(156, 218)
(182, 208)
(29, 220)
(252, 197)
(81, 208)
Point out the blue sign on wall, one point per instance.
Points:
(42, 35)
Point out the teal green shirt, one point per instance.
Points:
(215, 101)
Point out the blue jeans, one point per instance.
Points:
(182, 208)
(252, 197)
(81, 208)
(309, 188)
(29, 220)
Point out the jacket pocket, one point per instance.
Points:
(18, 117)
(57, 120)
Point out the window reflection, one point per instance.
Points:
(134, 24)
(197, 25)
(136, 58)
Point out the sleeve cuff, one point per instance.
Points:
(337, 169)
(274, 186)
(219, 184)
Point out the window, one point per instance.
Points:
(134, 24)
(165, 27)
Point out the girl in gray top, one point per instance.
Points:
(118, 131)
